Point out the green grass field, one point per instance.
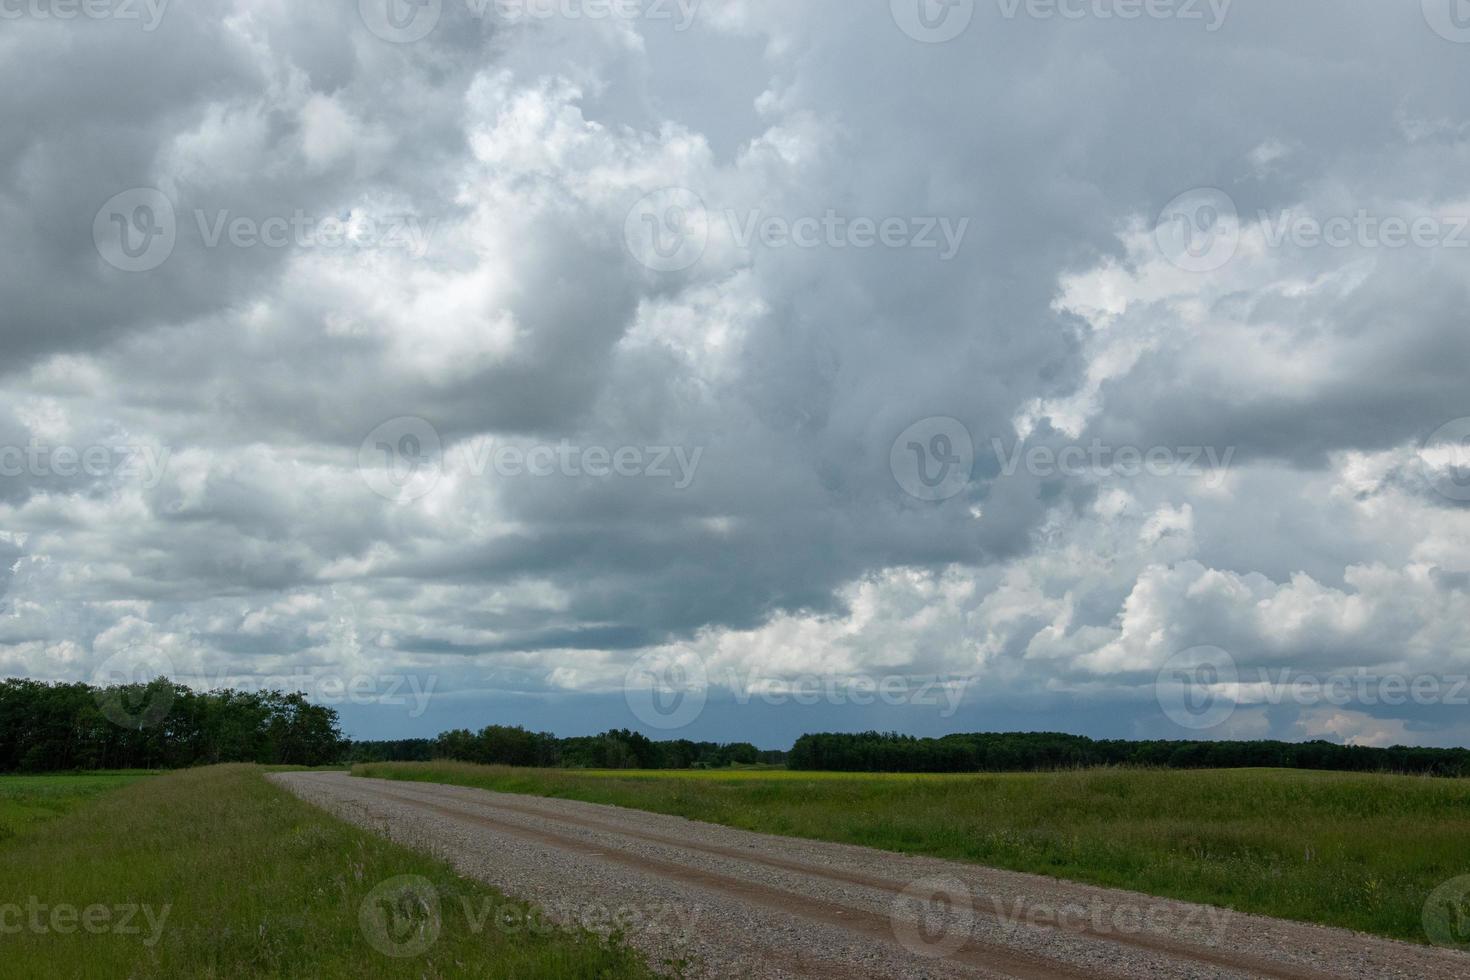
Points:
(29, 800)
(1360, 851)
(215, 873)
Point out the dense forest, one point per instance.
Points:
(1023, 752)
(56, 727)
(617, 749)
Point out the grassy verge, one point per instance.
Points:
(1360, 851)
(217, 873)
(29, 800)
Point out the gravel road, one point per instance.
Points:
(718, 902)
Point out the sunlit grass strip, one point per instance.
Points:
(1345, 849)
(217, 873)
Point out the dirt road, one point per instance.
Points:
(735, 904)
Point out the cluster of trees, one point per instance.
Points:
(1025, 752)
(162, 725)
(394, 750)
(617, 749)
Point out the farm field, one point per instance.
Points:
(1358, 851)
(216, 873)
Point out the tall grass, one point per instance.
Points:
(29, 800)
(231, 876)
(1352, 850)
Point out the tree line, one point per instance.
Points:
(1036, 751)
(49, 727)
(515, 746)
(59, 727)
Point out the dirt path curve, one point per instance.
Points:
(730, 903)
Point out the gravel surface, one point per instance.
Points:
(717, 902)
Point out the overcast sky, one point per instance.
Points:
(972, 365)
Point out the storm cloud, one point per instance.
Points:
(518, 343)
